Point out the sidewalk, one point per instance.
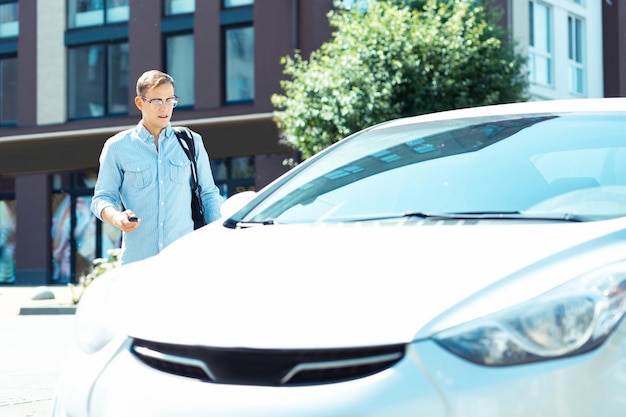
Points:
(16, 301)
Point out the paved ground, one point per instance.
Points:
(33, 353)
(35, 300)
(39, 328)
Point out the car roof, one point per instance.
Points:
(613, 104)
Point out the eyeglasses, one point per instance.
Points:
(156, 103)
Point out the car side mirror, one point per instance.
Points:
(235, 202)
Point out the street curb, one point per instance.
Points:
(33, 311)
(30, 301)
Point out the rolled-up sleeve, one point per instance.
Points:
(107, 188)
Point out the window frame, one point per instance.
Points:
(225, 82)
(7, 258)
(576, 35)
(534, 51)
(172, 26)
(170, 13)
(234, 18)
(71, 19)
(249, 3)
(13, 26)
(105, 87)
(72, 185)
(190, 62)
(3, 94)
(232, 184)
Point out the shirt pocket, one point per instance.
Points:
(138, 174)
(180, 171)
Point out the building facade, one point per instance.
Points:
(563, 40)
(67, 75)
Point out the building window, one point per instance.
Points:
(575, 38)
(77, 236)
(236, 19)
(8, 90)
(239, 61)
(84, 13)
(237, 3)
(174, 7)
(540, 57)
(234, 175)
(98, 80)
(180, 64)
(7, 239)
(360, 5)
(9, 19)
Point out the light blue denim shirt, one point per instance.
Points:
(156, 186)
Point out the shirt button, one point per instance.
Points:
(162, 202)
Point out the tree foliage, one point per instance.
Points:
(393, 60)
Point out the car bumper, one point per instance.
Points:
(428, 382)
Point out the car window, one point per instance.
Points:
(498, 164)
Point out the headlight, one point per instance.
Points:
(570, 319)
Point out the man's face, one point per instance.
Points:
(155, 116)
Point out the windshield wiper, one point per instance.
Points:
(500, 215)
(235, 224)
(516, 215)
(252, 224)
(474, 215)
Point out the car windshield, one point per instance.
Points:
(528, 165)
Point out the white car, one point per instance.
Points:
(462, 263)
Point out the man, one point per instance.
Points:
(143, 185)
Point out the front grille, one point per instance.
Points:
(266, 367)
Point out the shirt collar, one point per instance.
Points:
(146, 137)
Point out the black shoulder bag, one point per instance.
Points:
(197, 209)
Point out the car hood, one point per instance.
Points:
(333, 285)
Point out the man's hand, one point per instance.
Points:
(125, 220)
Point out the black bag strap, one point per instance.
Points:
(186, 142)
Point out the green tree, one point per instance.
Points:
(393, 60)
